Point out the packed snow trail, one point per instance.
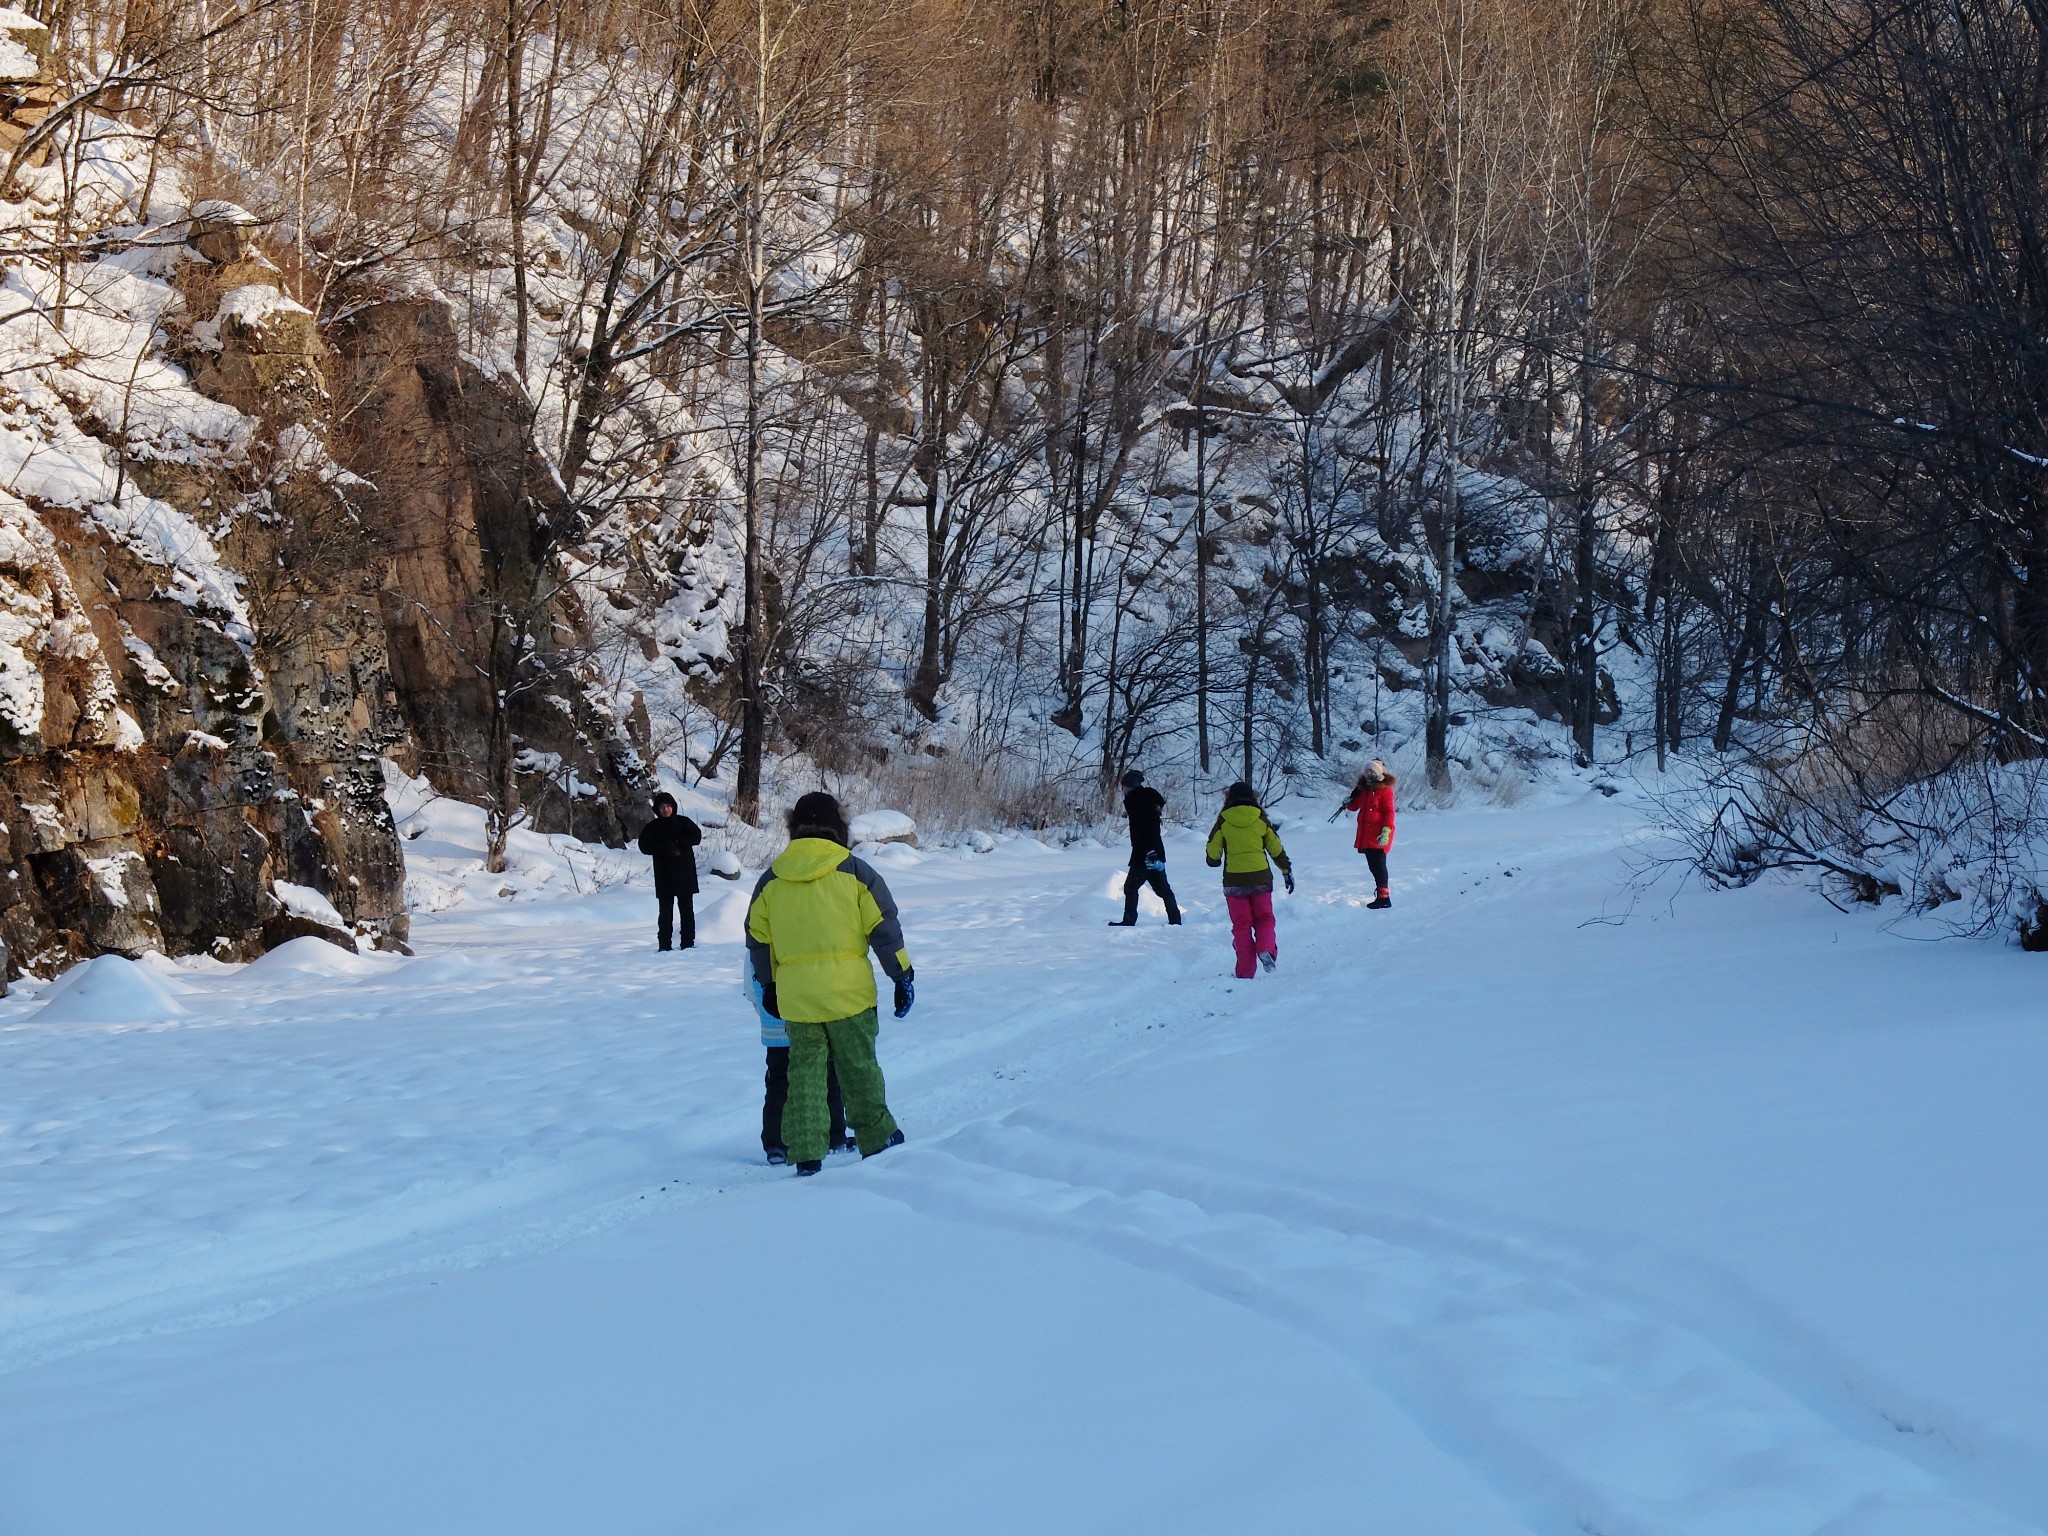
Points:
(1485, 1214)
(1597, 1417)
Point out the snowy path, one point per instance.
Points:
(1483, 1215)
(1617, 1421)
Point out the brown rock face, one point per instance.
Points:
(27, 97)
(468, 514)
(159, 773)
(169, 754)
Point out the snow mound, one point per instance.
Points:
(891, 855)
(110, 989)
(722, 916)
(310, 956)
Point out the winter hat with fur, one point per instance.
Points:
(818, 815)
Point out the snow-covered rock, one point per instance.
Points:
(304, 901)
(221, 231)
(883, 827)
(24, 46)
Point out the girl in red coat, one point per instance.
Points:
(1373, 799)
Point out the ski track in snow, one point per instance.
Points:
(558, 1081)
(536, 1076)
(1594, 1417)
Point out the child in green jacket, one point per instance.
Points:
(1240, 842)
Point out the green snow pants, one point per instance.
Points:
(849, 1045)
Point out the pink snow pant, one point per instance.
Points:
(1251, 928)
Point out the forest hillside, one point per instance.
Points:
(965, 402)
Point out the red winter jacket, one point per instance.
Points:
(1374, 803)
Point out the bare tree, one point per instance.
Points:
(1463, 162)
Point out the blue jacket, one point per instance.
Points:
(772, 1032)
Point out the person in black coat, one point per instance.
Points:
(671, 840)
(1145, 806)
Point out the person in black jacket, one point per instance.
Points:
(1144, 806)
(671, 840)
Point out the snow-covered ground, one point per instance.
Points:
(1492, 1213)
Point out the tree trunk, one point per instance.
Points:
(1658, 609)
(1110, 752)
(1251, 675)
(1738, 664)
(1585, 647)
(1202, 563)
(930, 674)
(871, 511)
(515, 180)
(1443, 635)
(746, 796)
(501, 799)
(1315, 645)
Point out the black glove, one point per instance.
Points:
(768, 1002)
(1288, 876)
(906, 992)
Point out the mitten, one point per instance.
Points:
(906, 994)
(1386, 837)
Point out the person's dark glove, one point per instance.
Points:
(1288, 876)
(1155, 863)
(906, 993)
(768, 1002)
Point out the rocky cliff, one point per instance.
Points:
(244, 558)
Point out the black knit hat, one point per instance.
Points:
(665, 798)
(818, 815)
(1133, 778)
(1240, 793)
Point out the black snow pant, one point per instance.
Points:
(1377, 858)
(677, 893)
(1140, 875)
(777, 1085)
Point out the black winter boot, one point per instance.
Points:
(1379, 903)
(805, 1170)
(895, 1140)
(777, 1156)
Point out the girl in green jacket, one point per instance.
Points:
(1240, 842)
